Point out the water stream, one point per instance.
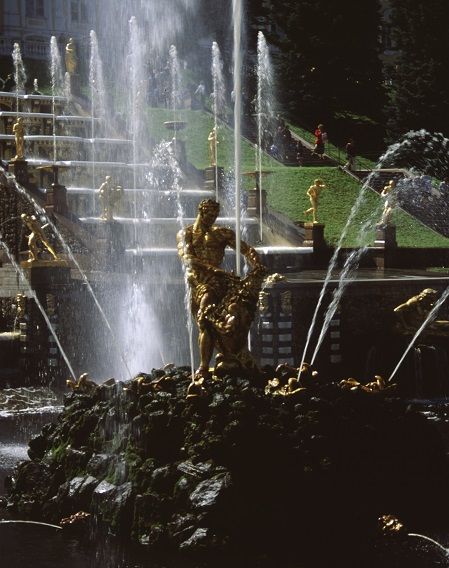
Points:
(33, 295)
(387, 157)
(68, 252)
(218, 100)
(237, 29)
(56, 83)
(263, 111)
(19, 73)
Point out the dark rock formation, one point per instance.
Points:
(237, 469)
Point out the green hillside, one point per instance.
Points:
(286, 186)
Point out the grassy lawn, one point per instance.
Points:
(197, 129)
(286, 187)
(287, 193)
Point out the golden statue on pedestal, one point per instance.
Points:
(36, 236)
(19, 133)
(388, 194)
(222, 304)
(213, 142)
(71, 59)
(109, 196)
(314, 194)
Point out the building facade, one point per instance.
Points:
(31, 23)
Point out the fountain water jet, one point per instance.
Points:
(263, 110)
(389, 155)
(19, 73)
(56, 83)
(72, 258)
(237, 23)
(218, 99)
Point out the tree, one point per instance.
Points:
(328, 54)
(419, 95)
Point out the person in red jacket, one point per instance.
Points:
(319, 141)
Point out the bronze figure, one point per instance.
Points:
(109, 196)
(71, 59)
(19, 133)
(36, 236)
(213, 142)
(222, 304)
(390, 203)
(413, 313)
(314, 194)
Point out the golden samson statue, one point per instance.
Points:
(222, 304)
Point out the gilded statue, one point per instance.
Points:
(314, 195)
(19, 134)
(390, 525)
(213, 142)
(109, 195)
(36, 236)
(82, 385)
(222, 303)
(413, 313)
(389, 195)
(377, 385)
(71, 59)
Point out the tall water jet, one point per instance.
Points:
(175, 83)
(137, 95)
(218, 99)
(96, 82)
(97, 96)
(56, 83)
(19, 73)
(263, 110)
(237, 23)
(67, 88)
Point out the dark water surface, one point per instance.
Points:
(34, 546)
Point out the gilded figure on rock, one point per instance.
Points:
(222, 303)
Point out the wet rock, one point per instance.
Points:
(37, 447)
(162, 479)
(159, 469)
(99, 464)
(114, 505)
(198, 470)
(199, 539)
(208, 492)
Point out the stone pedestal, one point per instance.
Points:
(385, 236)
(179, 147)
(385, 246)
(75, 84)
(110, 239)
(253, 202)
(20, 170)
(56, 199)
(314, 236)
(213, 178)
(46, 275)
(41, 359)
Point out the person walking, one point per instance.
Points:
(318, 149)
(350, 155)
